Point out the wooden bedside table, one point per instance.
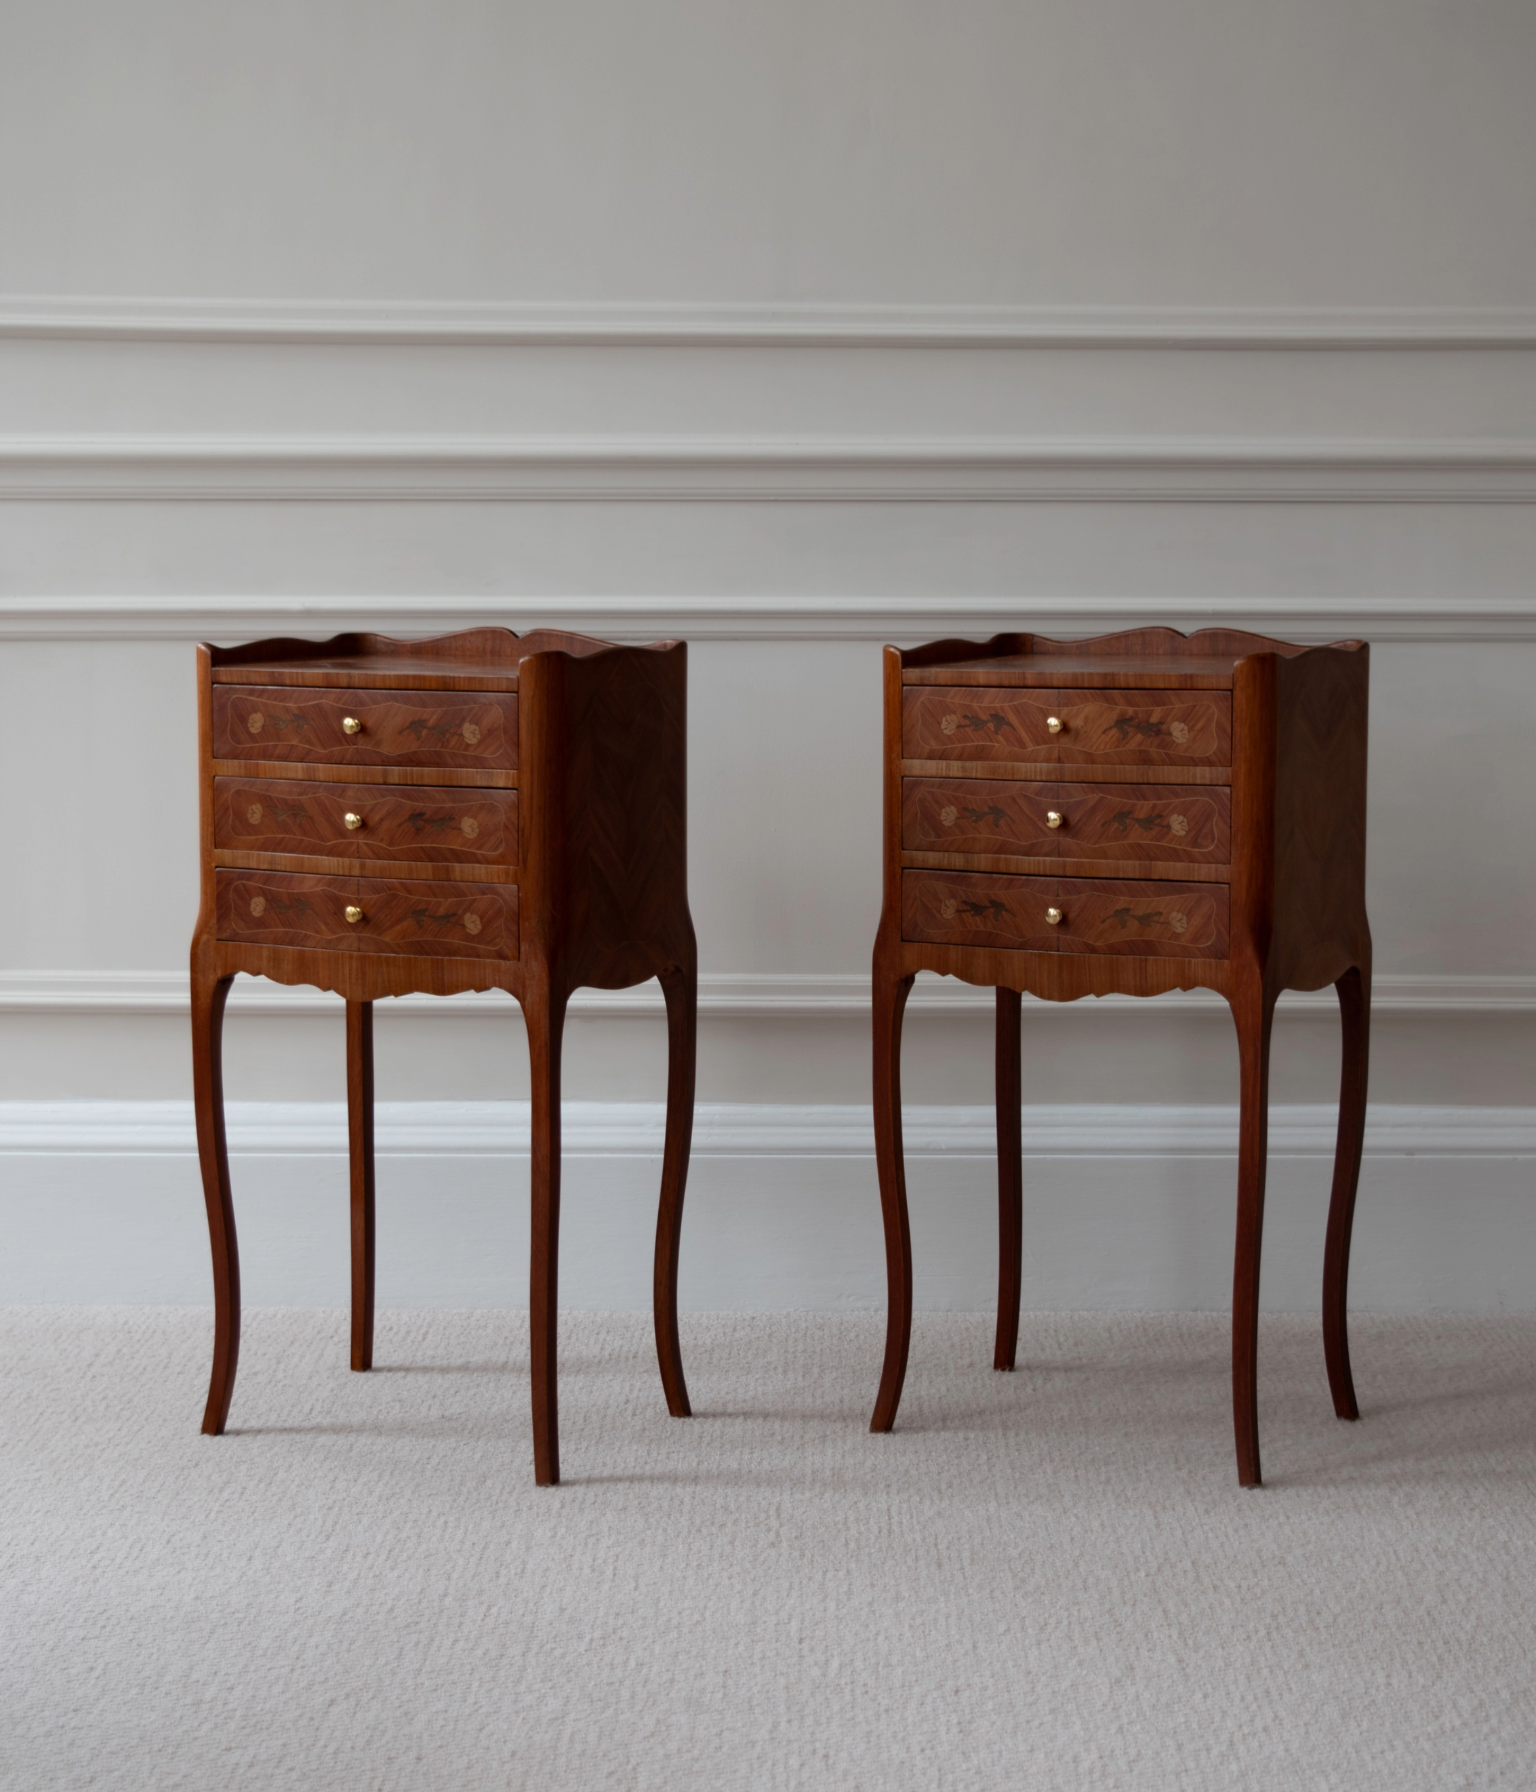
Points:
(1127, 815)
(478, 811)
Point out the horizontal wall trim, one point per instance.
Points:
(833, 995)
(273, 469)
(622, 1129)
(458, 324)
(235, 618)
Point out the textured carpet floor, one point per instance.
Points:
(1043, 1580)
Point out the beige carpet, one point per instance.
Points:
(1049, 1579)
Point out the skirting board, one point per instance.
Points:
(727, 995)
(1124, 1207)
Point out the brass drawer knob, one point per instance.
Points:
(1053, 818)
(1054, 724)
(353, 913)
(1053, 915)
(351, 725)
(356, 821)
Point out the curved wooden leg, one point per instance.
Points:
(890, 999)
(208, 997)
(681, 989)
(544, 1011)
(1253, 1010)
(1354, 989)
(360, 1143)
(1010, 1180)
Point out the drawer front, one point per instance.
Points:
(1131, 919)
(1142, 920)
(977, 908)
(1144, 728)
(284, 908)
(1160, 822)
(427, 919)
(412, 823)
(423, 728)
(954, 722)
(1094, 727)
(417, 917)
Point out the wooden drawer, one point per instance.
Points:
(1135, 919)
(424, 728)
(1165, 823)
(1096, 727)
(415, 824)
(417, 917)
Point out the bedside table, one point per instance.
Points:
(479, 811)
(1137, 813)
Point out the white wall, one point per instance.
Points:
(789, 329)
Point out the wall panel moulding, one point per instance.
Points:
(48, 316)
(754, 618)
(439, 1129)
(733, 996)
(302, 469)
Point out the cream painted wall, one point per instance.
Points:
(789, 329)
(1360, 152)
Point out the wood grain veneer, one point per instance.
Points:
(1049, 771)
(423, 826)
(1152, 824)
(1133, 727)
(270, 722)
(1259, 746)
(1140, 919)
(523, 807)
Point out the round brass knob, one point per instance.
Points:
(351, 725)
(1054, 724)
(1054, 818)
(356, 821)
(1053, 915)
(354, 914)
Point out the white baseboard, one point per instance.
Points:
(451, 1129)
(729, 995)
(100, 1203)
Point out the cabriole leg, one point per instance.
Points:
(208, 997)
(890, 1000)
(360, 1152)
(1253, 1011)
(1354, 989)
(545, 1015)
(681, 989)
(1010, 1180)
